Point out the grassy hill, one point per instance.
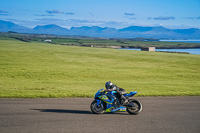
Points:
(46, 70)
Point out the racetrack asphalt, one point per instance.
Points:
(73, 115)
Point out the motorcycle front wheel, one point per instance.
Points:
(97, 109)
(136, 109)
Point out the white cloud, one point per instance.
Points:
(129, 14)
(4, 13)
(54, 11)
(164, 18)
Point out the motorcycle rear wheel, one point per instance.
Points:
(136, 109)
(97, 109)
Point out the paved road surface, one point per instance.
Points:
(159, 115)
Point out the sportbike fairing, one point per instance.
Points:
(109, 102)
(109, 105)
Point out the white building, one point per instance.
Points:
(47, 40)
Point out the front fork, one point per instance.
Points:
(98, 101)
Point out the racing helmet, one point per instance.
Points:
(108, 85)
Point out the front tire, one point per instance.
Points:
(97, 109)
(136, 109)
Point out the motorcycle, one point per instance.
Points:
(103, 103)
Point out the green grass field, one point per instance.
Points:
(44, 70)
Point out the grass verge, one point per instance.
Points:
(31, 70)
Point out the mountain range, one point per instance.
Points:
(157, 32)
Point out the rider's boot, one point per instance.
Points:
(114, 103)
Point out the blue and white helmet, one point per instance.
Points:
(108, 85)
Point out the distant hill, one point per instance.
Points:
(137, 29)
(50, 29)
(158, 32)
(6, 26)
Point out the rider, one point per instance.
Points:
(120, 92)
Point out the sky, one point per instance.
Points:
(172, 14)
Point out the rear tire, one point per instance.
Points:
(97, 109)
(136, 109)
